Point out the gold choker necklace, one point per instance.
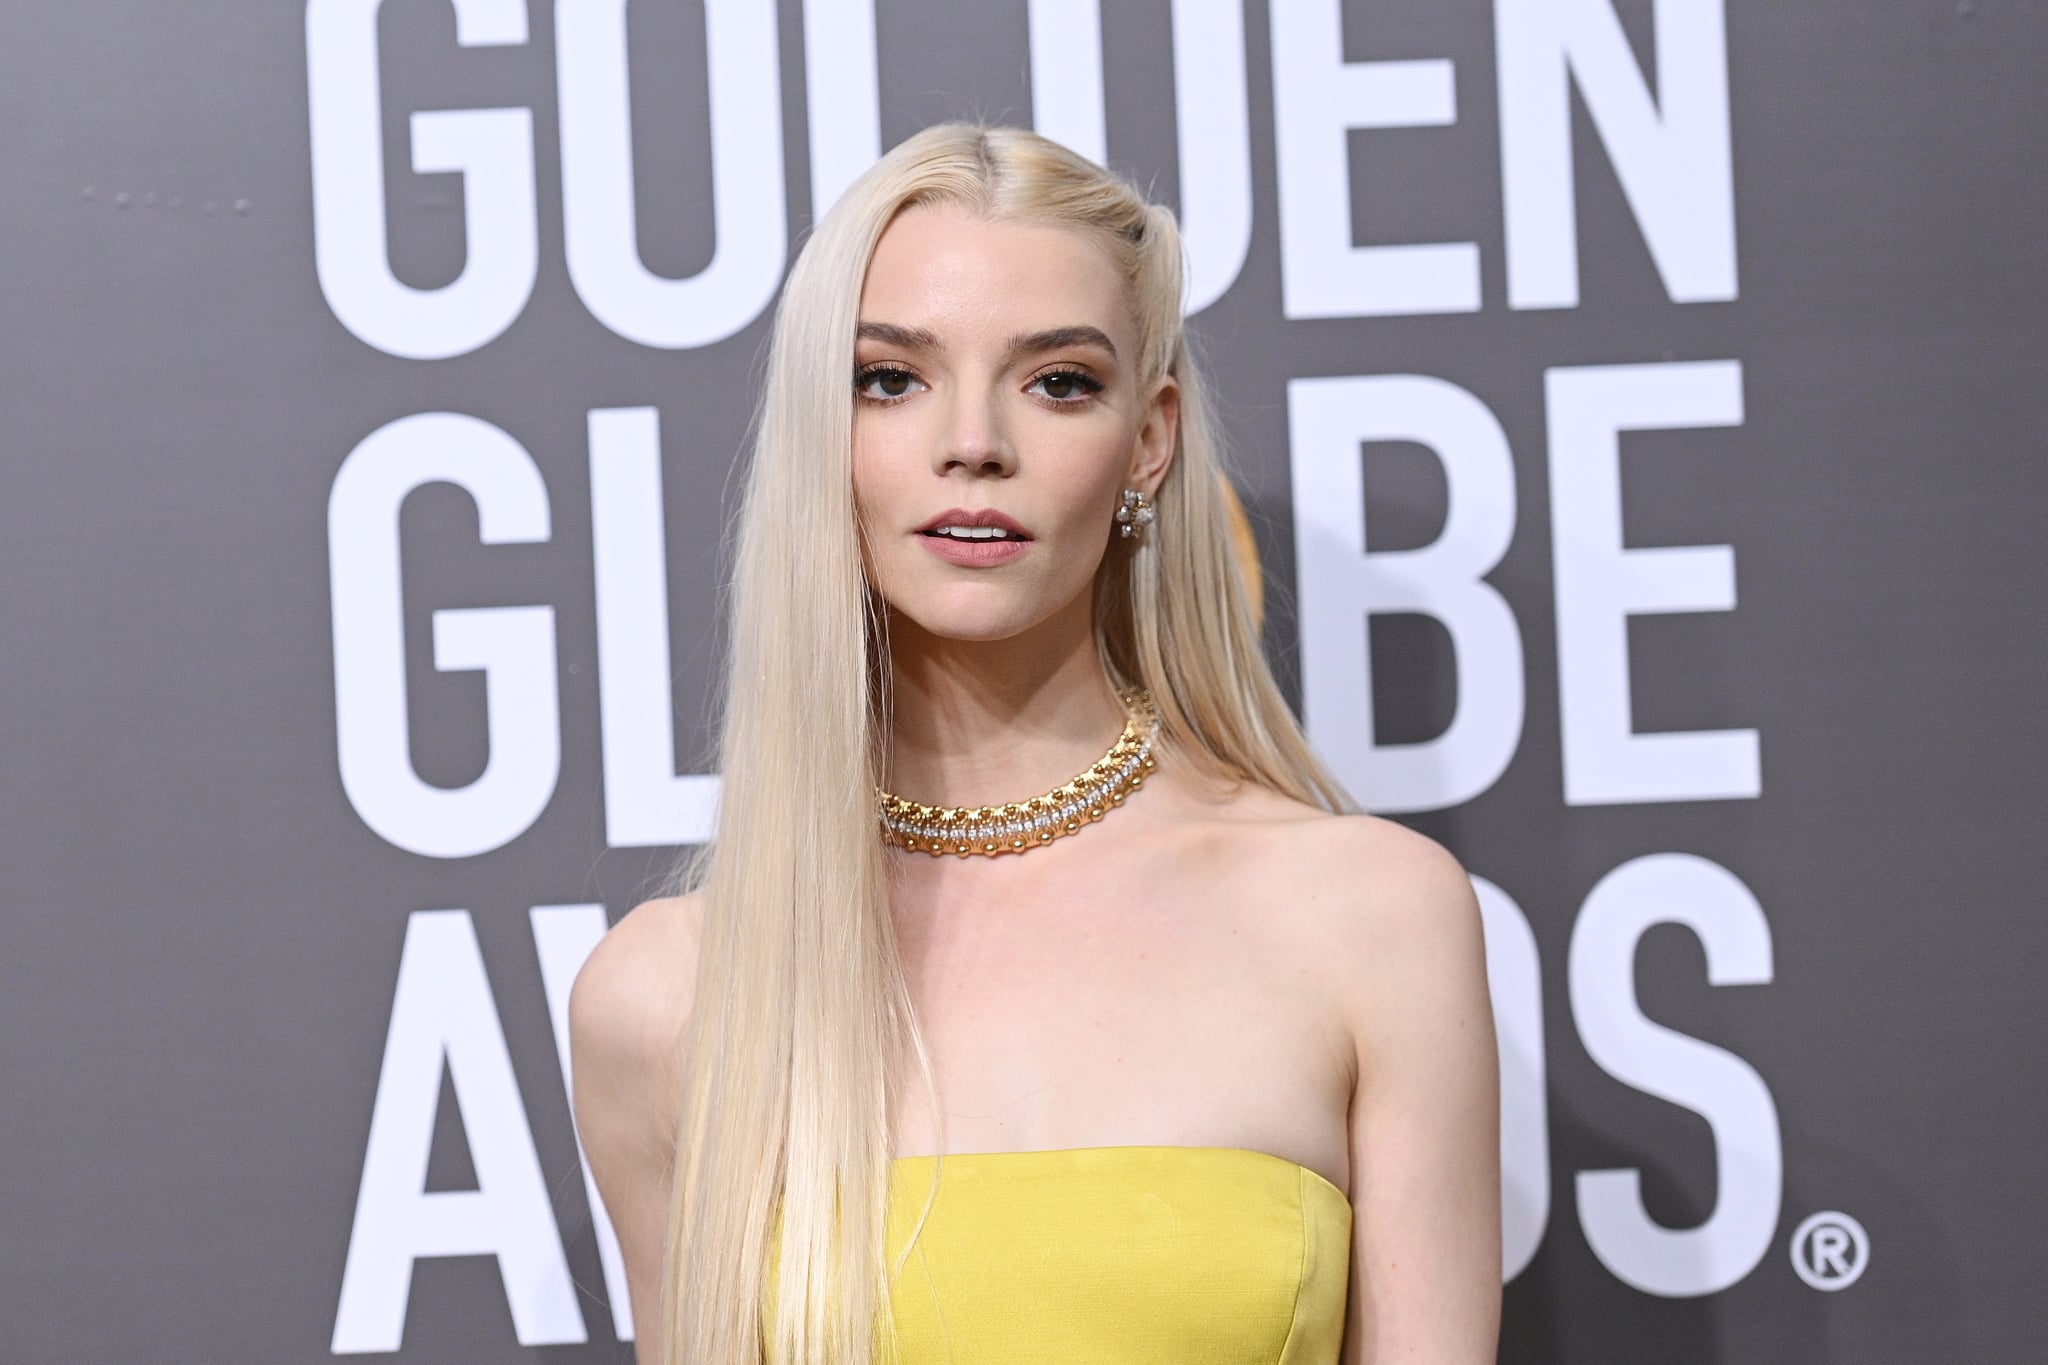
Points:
(1019, 825)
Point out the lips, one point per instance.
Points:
(974, 539)
(986, 520)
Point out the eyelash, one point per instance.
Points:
(1086, 383)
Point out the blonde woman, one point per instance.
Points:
(1039, 998)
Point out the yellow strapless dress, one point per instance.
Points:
(1132, 1255)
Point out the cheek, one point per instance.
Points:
(889, 495)
(877, 485)
(1088, 476)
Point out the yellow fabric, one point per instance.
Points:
(1130, 1255)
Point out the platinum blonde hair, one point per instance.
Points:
(802, 1024)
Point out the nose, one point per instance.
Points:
(975, 439)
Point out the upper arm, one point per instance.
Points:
(1425, 1110)
(628, 1012)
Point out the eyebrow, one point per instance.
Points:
(1024, 343)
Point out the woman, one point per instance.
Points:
(1213, 1062)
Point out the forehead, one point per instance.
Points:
(943, 267)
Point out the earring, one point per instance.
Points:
(1134, 514)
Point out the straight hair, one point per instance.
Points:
(802, 1027)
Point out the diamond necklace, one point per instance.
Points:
(1018, 825)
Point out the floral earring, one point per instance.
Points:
(1134, 514)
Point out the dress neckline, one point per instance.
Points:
(1183, 1149)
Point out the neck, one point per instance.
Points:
(981, 722)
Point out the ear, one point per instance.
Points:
(1158, 436)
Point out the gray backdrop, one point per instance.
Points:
(263, 865)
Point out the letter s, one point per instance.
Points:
(1677, 888)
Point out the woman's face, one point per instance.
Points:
(997, 419)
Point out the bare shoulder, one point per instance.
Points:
(1390, 903)
(1383, 879)
(1394, 927)
(1385, 916)
(1402, 954)
(651, 946)
(628, 1013)
(631, 1001)
(1345, 875)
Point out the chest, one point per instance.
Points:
(1096, 1006)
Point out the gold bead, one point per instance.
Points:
(1090, 795)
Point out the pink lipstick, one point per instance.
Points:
(976, 539)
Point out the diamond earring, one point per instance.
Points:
(1134, 514)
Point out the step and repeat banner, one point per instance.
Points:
(1639, 407)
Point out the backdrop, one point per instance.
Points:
(1639, 407)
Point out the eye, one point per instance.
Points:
(1067, 388)
(884, 383)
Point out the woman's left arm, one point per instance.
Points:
(1425, 1108)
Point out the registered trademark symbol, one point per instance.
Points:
(1830, 1250)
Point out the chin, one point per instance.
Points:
(984, 606)
(980, 613)
(984, 625)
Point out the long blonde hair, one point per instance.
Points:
(802, 1019)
